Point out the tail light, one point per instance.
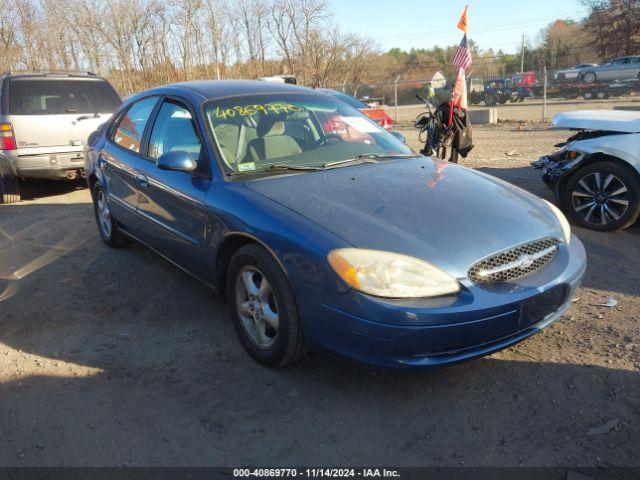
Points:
(7, 139)
(386, 122)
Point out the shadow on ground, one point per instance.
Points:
(33, 189)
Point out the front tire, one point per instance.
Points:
(589, 77)
(9, 184)
(603, 196)
(263, 308)
(107, 226)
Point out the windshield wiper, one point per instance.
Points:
(367, 158)
(282, 167)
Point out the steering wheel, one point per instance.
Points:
(331, 138)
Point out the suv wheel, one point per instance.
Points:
(263, 308)
(9, 184)
(108, 228)
(602, 196)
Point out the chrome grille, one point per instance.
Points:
(514, 263)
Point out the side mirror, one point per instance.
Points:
(399, 136)
(177, 160)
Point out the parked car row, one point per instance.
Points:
(315, 222)
(497, 91)
(594, 91)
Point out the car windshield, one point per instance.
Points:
(301, 131)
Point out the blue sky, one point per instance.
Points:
(425, 23)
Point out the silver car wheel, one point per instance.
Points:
(600, 198)
(256, 306)
(104, 215)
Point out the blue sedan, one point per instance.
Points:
(324, 231)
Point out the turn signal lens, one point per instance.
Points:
(390, 275)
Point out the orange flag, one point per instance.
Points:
(462, 24)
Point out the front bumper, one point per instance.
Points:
(434, 332)
(51, 166)
(554, 168)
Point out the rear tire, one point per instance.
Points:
(597, 208)
(263, 308)
(589, 77)
(9, 184)
(107, 226)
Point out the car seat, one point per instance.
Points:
(272, 142)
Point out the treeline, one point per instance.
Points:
(141, 43)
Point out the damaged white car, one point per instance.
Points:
(596, 174)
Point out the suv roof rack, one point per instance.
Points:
(68, 73)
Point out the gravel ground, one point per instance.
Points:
(118, 358)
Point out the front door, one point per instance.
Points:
(171, 214)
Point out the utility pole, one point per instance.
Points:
(522, 56)
(395, 98)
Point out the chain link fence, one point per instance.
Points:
(523, 97)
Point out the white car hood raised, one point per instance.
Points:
(609, 120)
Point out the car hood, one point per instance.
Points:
(610, 120)
(446, 214)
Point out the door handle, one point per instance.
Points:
(102, 162)
(143, 181)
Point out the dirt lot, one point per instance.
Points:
(118, 358)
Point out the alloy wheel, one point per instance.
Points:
(104, 215)
(256, 306)
(600, 198)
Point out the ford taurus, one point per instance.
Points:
(324, 231)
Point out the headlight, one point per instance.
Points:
(566, 228)
(571, 154)
(390, 275)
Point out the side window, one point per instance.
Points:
(128, 133)
(174, 130)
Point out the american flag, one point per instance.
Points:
(463, 55)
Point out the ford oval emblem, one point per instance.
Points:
(525, 261)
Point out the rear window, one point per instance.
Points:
(46, 96)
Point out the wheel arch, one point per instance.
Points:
(232, 242)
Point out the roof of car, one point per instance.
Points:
(213, 89)
(50, 74)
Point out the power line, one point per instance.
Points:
(499, 26)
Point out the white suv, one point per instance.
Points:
(45, 119)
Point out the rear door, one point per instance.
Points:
(171, 214)
(57, 114)
(119, 157)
